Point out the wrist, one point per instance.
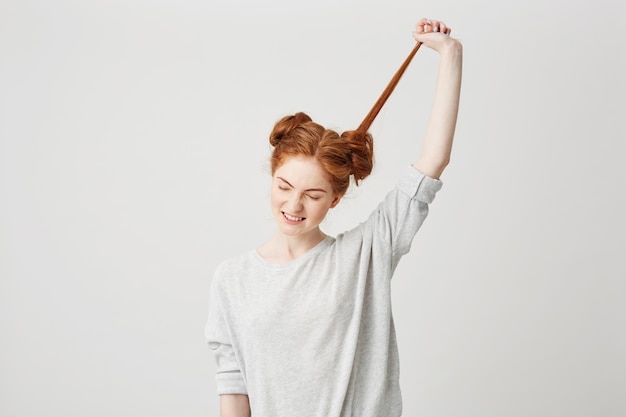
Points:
(451, 48)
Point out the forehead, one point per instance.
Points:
(303, 173)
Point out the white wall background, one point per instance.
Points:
(133, 149)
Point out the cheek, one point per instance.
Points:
(320, 210)
(278, 199)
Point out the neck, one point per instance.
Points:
(282, 248)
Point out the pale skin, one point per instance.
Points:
(437, 143)
(301, 195)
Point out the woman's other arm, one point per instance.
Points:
(234, 405)
(437, 143)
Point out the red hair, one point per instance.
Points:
(341, 156)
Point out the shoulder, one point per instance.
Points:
(231, 268)
(233, 262)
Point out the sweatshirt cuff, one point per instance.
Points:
(419, 186)
(230, 383)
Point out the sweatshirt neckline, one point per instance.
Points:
(326, 242)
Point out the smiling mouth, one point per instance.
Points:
(292, 218)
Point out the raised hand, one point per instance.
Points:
(434, 34)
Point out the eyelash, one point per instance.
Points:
(310, 196)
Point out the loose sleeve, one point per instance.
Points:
(228, 378)
(398, 218)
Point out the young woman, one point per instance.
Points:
(302, 326)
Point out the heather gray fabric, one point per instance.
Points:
(315, 337)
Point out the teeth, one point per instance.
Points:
(293, 219)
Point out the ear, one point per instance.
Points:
(336, 200)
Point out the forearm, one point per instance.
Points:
(234, 405)
(437, 143)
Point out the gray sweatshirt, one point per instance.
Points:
(315, 337)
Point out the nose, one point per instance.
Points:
(294, 204)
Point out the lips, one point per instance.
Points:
(293, 218)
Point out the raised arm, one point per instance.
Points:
(437, 143)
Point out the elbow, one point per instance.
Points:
(438, 168)
(444, 162)
(432, 167)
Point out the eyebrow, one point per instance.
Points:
(310, 189)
